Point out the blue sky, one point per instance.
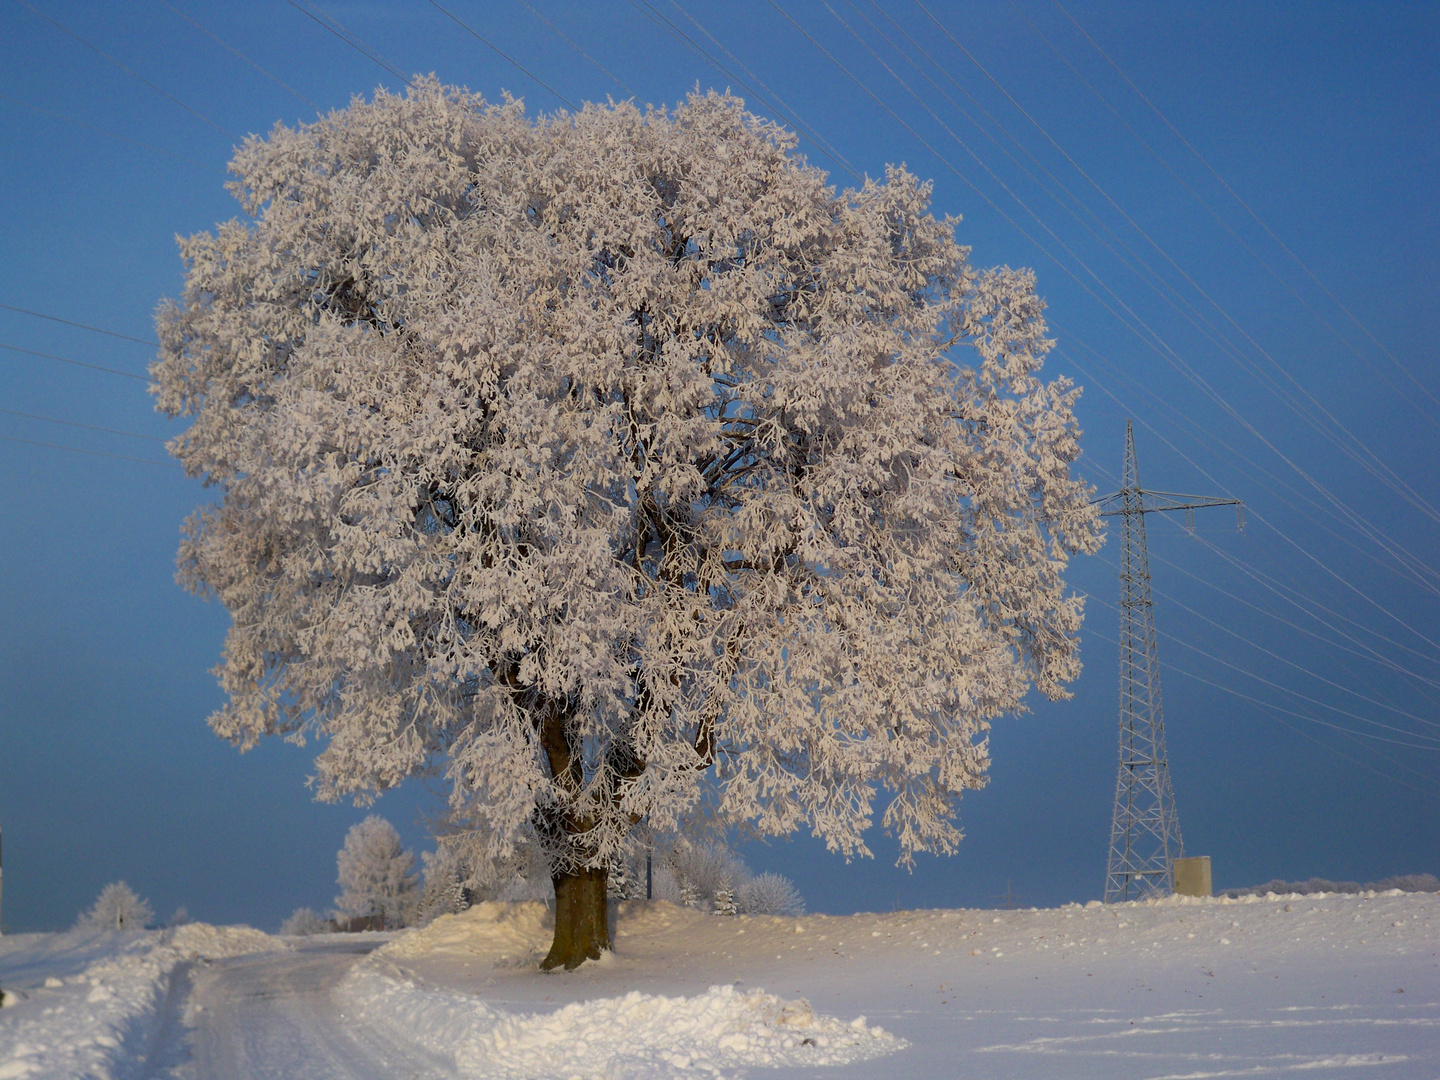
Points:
(1279, 349)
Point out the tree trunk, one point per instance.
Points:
(582, 929)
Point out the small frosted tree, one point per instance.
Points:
(376, 874)
(724, 903)
(117, 908)
(619, 467)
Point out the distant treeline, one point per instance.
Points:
(1403, 882)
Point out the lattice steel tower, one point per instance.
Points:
(1145, 830)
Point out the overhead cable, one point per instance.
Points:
(1315, 313)
(92, 453)
(129, 71)
(107, 134)
(561, 34)
(230, 48)
(1178, 670)
(504, 55)
(1379, 469)
(1362, 594)
(77, 363)
(1300, 668)
(646, 9)
(87, 427)
(827, 148)
(80, 325)
(1247, 207)
(350, 39)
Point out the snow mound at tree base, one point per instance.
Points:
(716, 1034)
(494, 931)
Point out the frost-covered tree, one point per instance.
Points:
(376, 874)
(621, 469)
(118, 907)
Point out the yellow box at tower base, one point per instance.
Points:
(1192, 876)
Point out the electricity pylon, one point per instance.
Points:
(1145, 830)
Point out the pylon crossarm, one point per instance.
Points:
(1152, 502)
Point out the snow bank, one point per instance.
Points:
(496, 932)
(106, 1021)
(636, 1036)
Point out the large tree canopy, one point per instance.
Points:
(620, 468)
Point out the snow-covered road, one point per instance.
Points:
(273, 1015)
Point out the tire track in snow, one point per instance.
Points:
(273, 1017)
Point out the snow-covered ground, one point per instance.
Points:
(103, 1004)
(1187, 989)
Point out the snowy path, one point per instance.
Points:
(274, 1016)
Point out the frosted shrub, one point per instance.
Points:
(770, 894)
(117, 908)
(304, 922)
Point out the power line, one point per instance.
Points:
(1389, 477)
(1266, 522)
(350, 39)
(1162, 288)
(1282, 282)
(80, 325)
(107, 134)
(1409, 567)
(528, 7)
(87, 427)
(1302, 716)
(92, 453)
(1248, 209)
(129, 71)
(826, 148)
(230, 48)
(503, 55)
(77, 363)
(1154, 341)
(1276, 586)
(1158, 343)
(679, 35)
(1361, 651)
(1208, 329)
(1303, 670)
(563, 38)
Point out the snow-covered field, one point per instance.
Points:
(1177, 989)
